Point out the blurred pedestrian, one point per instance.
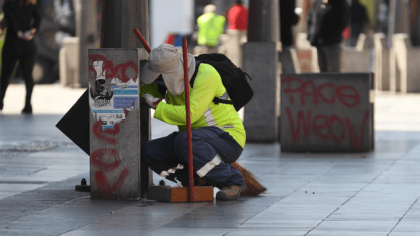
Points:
(23, 20)
(210, 27)
(359, 21)
(326, 22)
(288, 18)
(238, 17)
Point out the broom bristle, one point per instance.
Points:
(253, 187)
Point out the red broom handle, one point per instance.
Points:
(142, 40)
(187, 106)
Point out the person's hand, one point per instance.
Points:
(19, 33)
(151, 101)
(33, 31)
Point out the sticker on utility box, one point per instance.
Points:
(108, 99)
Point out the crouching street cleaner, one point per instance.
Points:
(218, 135)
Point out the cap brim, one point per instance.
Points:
(147, 76)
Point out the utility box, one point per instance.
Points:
(114, 101)
(327, 112)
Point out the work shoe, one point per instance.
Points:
(230, 192)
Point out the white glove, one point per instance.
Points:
(151, 101)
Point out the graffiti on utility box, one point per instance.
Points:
(326, 112)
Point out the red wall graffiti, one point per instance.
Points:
(308, 96)
(107, 136)
(119, 71)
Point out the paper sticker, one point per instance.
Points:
(107, 101)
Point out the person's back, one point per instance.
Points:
(327, 20)
(210, 27)
(238, 17)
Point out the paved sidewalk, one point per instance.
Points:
(374, 193)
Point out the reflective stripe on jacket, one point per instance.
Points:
(204, 112)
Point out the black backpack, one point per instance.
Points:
(233, 78)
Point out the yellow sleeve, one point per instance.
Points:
(202, 95)
(151, 89)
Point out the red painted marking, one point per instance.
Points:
(97, 156)
(341, 137)
(103, 134)
(300, 120)
(319, 127)
(304, 55)
(322, 127)
(354, 140)
(104, 188)
(118, 71)
(321, 95)
(345, 94)
(351, 95)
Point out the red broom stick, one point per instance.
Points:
(142, 40)
(187, 107)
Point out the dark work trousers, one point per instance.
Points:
(213, 150)
(14, 50)
(329, 57)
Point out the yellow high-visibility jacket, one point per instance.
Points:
(210, 28)
(207, 85)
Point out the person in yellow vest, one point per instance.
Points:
(218, 134)
(210, 27)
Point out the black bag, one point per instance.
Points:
(233, 78)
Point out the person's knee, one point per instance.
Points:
(181, 141)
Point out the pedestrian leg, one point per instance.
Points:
(27, 61)
(322, 60)
(9, 59)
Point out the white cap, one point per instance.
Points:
(168, 61)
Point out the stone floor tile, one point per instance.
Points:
(371, 226)
(408, 225)
(344, 233)
(265, 232)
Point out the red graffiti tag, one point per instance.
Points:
(103, 135)
(322, 125)
(354, 140)
(119, 71)
(345, 94)
(300, 120)
(105, 188)
(97, 156)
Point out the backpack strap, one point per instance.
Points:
(223, 99)
(197, 64)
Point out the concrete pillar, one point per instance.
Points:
(261, 62)
(263, 21)
(87, 33)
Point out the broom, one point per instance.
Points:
(253, 187)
